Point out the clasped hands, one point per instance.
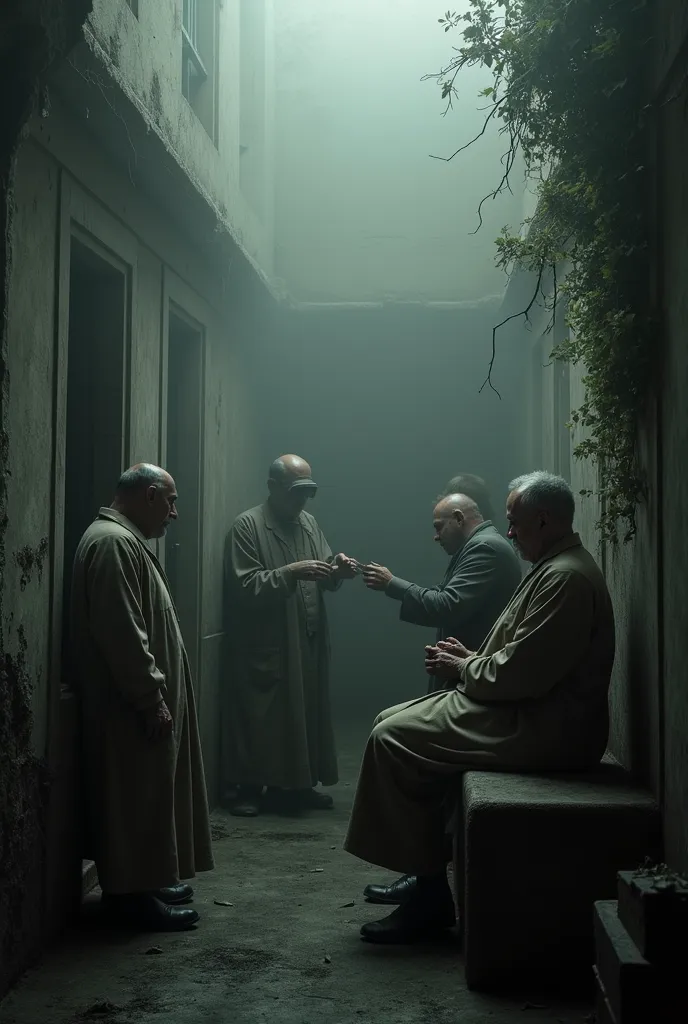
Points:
(446, 658)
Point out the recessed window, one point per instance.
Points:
(199, 64)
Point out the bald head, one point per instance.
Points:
(289, 468)
(291, 485)
(455, 518)
(458, 502)
(146, 495)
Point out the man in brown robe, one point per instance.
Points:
(533, 697)
(278, 732)
(146, 799)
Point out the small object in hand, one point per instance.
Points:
(154, 951)
(223, 903)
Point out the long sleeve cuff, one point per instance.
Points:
(396, 588)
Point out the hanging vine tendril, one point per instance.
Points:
(568, 96)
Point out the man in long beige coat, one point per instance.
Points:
(533, 697)
(147, 808)
(278, 730)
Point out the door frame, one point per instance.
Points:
(187, 305)
(81, 216)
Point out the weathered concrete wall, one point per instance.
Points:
(647, 578)
(362, 211)
(67, 174)
(32, 35)
(144, 56)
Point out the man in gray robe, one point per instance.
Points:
(278, 729)
(482, 575)
(532, 698)
(147, 808)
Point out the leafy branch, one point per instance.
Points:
(568, 95)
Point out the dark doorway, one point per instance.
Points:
(184, 458)
(96, 355)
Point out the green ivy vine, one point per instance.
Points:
(568, 94)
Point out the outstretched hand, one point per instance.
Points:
(376, 577)
(310, 569)
(345, 567)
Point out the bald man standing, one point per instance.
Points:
(278, 733)
(145, 788)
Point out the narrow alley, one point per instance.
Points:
(343, 371)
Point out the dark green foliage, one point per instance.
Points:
(569, 93)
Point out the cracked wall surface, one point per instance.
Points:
(33, 34)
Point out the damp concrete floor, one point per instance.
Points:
(277, 943)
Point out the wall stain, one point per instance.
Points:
(31, 560)
(34, 36)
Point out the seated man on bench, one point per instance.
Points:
(532, 698)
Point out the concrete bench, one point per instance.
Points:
(532, 854)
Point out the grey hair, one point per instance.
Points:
(547, 491)
(143, 475)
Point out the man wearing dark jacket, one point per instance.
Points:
(482, 575)
(480, 580)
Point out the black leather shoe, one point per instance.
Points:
(396, 893)
(174, 895)
(147, 913)
(422, 917)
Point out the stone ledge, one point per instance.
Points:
(538, 851)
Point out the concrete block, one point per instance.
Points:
(603, 1011)
(656, 919)
(539, 850)
(630, 983)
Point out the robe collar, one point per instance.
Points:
(117, 517)
(572, 541)
(273, 523)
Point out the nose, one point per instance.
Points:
(173, 513)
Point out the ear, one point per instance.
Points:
(459, 516)
(151, 493)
